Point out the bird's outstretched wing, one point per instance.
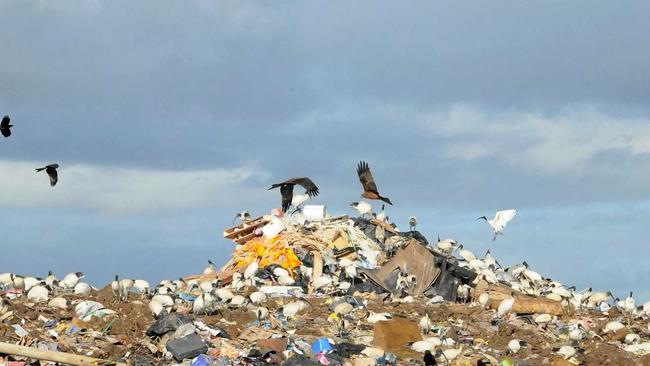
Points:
(365, 176)
(306, 183)
(502, 218)
(4, 126)
(54, 176)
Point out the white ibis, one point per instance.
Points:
(498, 223)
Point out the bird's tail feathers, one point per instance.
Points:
(386, 199)
(276, 185)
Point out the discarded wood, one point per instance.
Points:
(524, 304)
(318, 268)
(245, 231)
(385, 225)
(62, 357)
(318, 265)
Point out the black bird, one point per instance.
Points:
(51, 171)
(5, 127)
(286, 189)
(429, 360)
(368, 182)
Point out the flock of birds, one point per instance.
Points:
(210, 296)
(213, 294)
(370, 192)
(50, 169)
(289, 199)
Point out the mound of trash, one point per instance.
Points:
(314, 289)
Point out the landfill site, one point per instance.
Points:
(312, 288)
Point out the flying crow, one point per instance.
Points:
(5, 127)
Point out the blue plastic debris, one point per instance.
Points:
(73, 330)
(387, 359)
(187, 297)
(322, 345)
(50, 324)
(201, 360)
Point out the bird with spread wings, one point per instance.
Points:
(51, 172)
(5, 126)
(286, 190)
(500, 220)
(368, 182)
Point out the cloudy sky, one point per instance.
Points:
(169, 117)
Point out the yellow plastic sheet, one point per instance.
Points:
(268, 252)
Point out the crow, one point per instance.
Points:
(368, 182)
(286, 189)
(5, 127)
(51, 171)
(429, 359)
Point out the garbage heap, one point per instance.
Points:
(338, 256)
(327, 291)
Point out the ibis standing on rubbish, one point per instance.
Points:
(286, 189)
(498, 223)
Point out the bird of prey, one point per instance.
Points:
(5, 127)
(368, 182)
(51, 171)
(498, 223)
(286, 189)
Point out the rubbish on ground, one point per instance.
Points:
(328, 290)
(66, 358)
(523, 304)
(314, 212)
(393, 335)
(189, 346)
(410, 270)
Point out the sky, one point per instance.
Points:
(167, 118)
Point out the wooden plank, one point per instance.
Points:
(245, 228)
(52, 356)
(317, 270)
(524, 304)
(385, 225)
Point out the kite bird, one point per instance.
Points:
(368, 182)
(286, 189)
(498, 223)
(5, 127)
(51, 171)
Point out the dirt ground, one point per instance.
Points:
(124, 335)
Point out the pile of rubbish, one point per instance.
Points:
(320, 290)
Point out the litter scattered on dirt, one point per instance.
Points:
(321, 290)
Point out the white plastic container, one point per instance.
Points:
(273, 228)
(314, 212)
